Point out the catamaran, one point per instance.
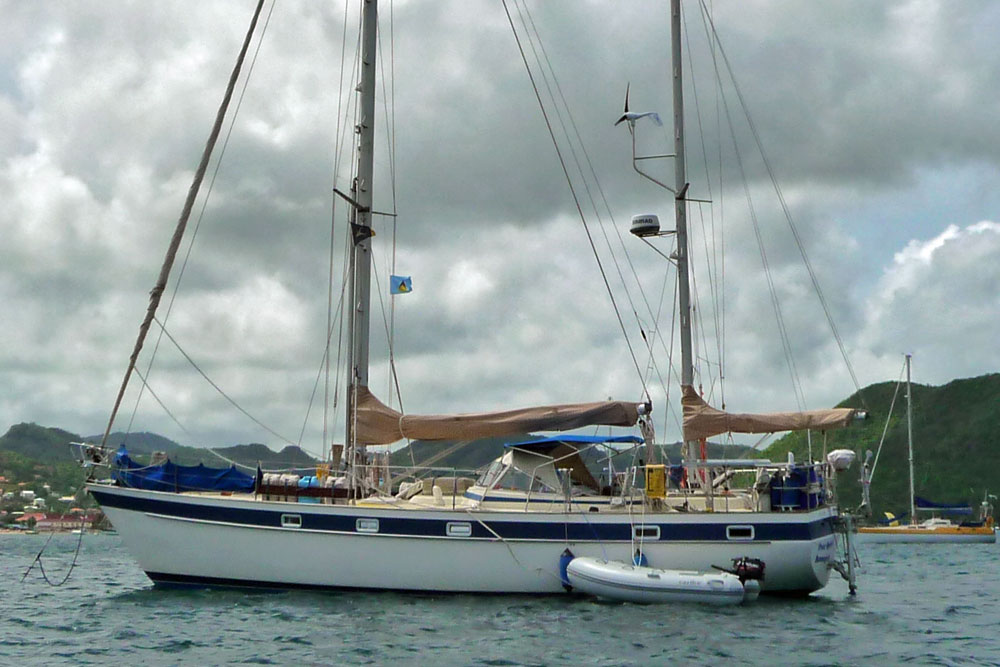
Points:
(509, 528)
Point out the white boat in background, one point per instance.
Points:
(506, 530)
(935, 529)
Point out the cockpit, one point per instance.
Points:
(555, 465)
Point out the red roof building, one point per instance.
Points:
(55, 521)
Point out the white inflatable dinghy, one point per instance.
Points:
(615, 580)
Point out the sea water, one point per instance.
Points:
(916, 604)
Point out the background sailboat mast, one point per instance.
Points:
(909, 439)
(361, 191)
(680, 212)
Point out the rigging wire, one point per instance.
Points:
(576, 200)
(208, 192)
(772, 290)
(324, 368)
(340, 140)
(668, 347)
(191, 244)
(655, 332)
(163, 405)
(651, 363)
(389, 108)
(333, 242)
(348, 243)
(711, 259)
(899, 382)
(722, 215)
(785, 209)
(219, 389)
(545, 73)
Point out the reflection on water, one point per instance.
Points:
(916, 603)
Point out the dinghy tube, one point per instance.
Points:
(615, 580)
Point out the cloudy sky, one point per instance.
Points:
(878, 119)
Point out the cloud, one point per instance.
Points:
(939, 301)
(865, 111)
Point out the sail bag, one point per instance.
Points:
(701, 420)
(378, 424)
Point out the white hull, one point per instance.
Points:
(234, 541)
(646, 585)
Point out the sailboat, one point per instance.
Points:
(511, 529)
(936, 528)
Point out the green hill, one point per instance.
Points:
(141, 443)
(27, 450)
(956, 443)
(45, 445)
(289, 457)
(956, 446)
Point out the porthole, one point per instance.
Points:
(646, 532)
(459, 529)
(739, 533)
(366, 525)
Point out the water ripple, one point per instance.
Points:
(109, 612)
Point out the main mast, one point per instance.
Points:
(680, 212)
(361, 233)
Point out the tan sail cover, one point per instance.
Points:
(701, 420)
(378, 424)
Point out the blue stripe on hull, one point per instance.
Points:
(345, 522)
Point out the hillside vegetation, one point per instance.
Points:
(33, 453)
(956, 446)
(956, 443)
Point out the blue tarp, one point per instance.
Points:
(171, 477)
(947, 508)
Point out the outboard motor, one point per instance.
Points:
(747, 568)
